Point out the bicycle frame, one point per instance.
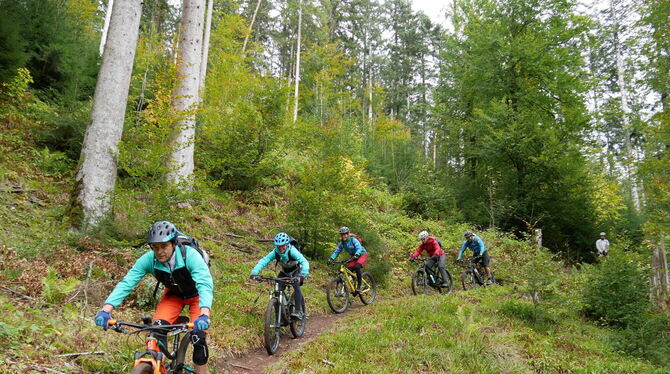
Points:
(152, 355)
(349, 275)
(284, 298)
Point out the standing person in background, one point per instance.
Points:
(603, 245)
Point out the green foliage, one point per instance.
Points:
(17, 87)
(54, 289)
(646, 339)
(513, 118)
(617, 290)
(237, 143)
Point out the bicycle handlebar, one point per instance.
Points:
(118, 326)
(275, 279)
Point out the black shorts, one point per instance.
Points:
(485, 260)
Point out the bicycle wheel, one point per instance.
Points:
(337, 295)
(272, 327)
(369, 292)
(450, 287)
(142, 368)
(298, 325)
(180, 357)
(418, 281)
(468, 280)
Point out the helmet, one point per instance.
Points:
(344, 230)
(423, 235)
(282, 238)
(602, 234)
(468, 234)
(161, 231)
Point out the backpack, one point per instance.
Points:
(351, 234)
(439, 243)
(184, 240)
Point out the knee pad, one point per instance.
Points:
(162, 338)
(200, 350)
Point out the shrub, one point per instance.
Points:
(617, 291)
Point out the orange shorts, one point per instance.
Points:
(169, 308)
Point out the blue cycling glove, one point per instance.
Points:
(201, 323)
(102, 318)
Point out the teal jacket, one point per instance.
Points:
(351, 246)
(291, 254)
(477, 246)
(147, 264)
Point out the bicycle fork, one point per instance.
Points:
(155, 358)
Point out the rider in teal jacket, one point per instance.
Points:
(293, 264)
(480, 254)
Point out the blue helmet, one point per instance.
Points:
(282, 238)
(161, 231)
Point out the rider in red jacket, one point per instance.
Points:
(435, 252)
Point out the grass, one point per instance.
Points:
(489, 330)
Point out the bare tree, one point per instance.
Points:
(96, 176)
(105, 28)
(251, 26)
(185, 96)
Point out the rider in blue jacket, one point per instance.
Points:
(478, 249)
(293, 264)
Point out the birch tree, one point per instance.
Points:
(96, 176)
(205, 45)
(185, 96)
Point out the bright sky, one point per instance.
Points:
(435, 9)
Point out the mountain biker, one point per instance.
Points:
(293, 264)
(478, 249)
(187, 281)
(603, 245)
(435, 252)
(359, 256)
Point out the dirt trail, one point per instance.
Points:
(257, 360)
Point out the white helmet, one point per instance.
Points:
(423, 235)
(602, 234)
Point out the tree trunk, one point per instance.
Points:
(297, 63)
(659, 278)
(251, 26)
(185, 96)
(205, 45)
(96, 176)
(105, 28)
(625, 112)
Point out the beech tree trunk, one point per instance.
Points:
(205, 45)
(185, 96)
(96, 176)
(297, 64)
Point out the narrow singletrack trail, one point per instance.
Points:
(258, 360)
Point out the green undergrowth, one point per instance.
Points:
(488, 330)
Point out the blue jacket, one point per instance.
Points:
(351, 245)
(291, 254)
(477, 246)
(148, 264)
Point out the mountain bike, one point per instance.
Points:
(428, 280)
(473, 274)
(157, 357)
(342, 286)
(278, 313)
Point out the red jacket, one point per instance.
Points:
(431, 246)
